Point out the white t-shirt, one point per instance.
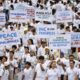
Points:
(53, 74)
(26, 57)
(79, 72)
(28, 74)
(1, 69)
(13, 64)
(5, 75)
(66, 62)
(32, 47)
(41, 51)
(71, 73)
(40, 74)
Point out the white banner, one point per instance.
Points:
(75, 39)
(30, 12)
(60, 42)
(20, 6)
(63, 16)
(9, 38)
(17, 16)
(2, 19)
(43, 15)
(45, 30)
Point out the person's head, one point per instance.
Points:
(43, 43)
(14, 47)
(11, 54)
(72, 64)
(11, 28)
(53, 64)
(32, 53)
(41, 59)
(62, 26)
(68, 28)
(30, 42)
(27, 65)
(74, 28)
(47, 50)
(71, 57)
(26, 49)
(4, 59)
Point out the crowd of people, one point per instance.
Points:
(33, 59)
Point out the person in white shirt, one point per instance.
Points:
(71, 72)
(2, 66)
(26, 55)
(5, 75)
(1, 73)
(28, 72)
(40, 69)
(2, 61)
(71, 58)
(41, 50)
(12, 64)
(79, 71)
(31, 45)
(33, 58)
(53, 72)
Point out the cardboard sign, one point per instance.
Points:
(30, 12)
(60, 42)
(75, 39)
(9, 38)
(45, 31)
(17, 16)
(2, 19)
(43, 15)
(63, 16)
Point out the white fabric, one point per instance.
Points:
(71, 73)
(53, 74)
(28, 74)
(40, 74)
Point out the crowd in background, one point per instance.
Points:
(33, 59)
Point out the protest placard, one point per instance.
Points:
(63, 16)
(75, 39)
(9, 38)
(2, 19)
(30, 12)
(17, 16)
(20, 6)
(45, 30)
(43, 15)
(62, 41)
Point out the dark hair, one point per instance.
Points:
(53, 11)
(67, 27)
(61, 26)
(28, 63)
(12, 52)
(26, 47)
(14, 46)
(71, 55)
(41, 57)
(4, 57)
(43, 42)
(31, 41)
